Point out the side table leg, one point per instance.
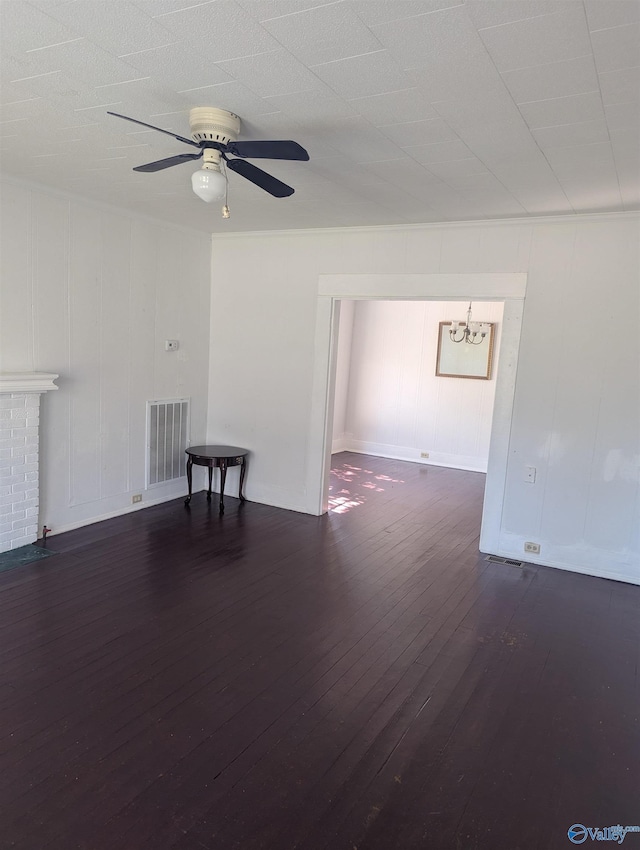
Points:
(242, 471)
(210, 477)
(223, 475)
(189, 474)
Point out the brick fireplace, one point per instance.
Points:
(19, 455)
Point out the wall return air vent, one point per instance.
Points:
(167, 439)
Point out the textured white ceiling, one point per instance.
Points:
(411, 110)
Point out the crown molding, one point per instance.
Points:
(72, 197)
(373, 228)
(570, 218)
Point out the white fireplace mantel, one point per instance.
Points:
(27, 382)
(20, 394)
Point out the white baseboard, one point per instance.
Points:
(468, 463)
(579, 558)
(128, 509)
(340, 444)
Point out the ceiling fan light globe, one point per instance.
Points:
(209, 185)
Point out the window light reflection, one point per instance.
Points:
(343, 499)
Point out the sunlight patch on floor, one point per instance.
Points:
(341, 501)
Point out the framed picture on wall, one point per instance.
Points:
(462, 359)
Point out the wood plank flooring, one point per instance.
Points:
(177, 680)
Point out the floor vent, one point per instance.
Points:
(167, 436)
(495, 559)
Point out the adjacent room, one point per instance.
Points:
(394, 398)
(241, 239)
(404, 380)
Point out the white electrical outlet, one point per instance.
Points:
(533, 548)
(530, 474)
(136, 498)
(424, 454)
(171, 345)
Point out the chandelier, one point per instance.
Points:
(471, 332)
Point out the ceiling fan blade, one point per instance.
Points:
(168, 162)
(265, 181)
(151, 127)
(268, 150)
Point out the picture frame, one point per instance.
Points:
(462, 360)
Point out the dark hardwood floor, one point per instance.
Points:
(177, 680)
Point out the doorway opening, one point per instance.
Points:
(390, 402)
(508, 288)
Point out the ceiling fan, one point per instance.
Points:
(214, 132)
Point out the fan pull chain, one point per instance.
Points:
(225, 208)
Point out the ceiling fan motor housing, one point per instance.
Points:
(208, 124)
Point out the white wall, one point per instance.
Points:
(397, 406)
(92, 293)
(576, 408)
(341, 441)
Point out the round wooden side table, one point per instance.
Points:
(220, 457)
